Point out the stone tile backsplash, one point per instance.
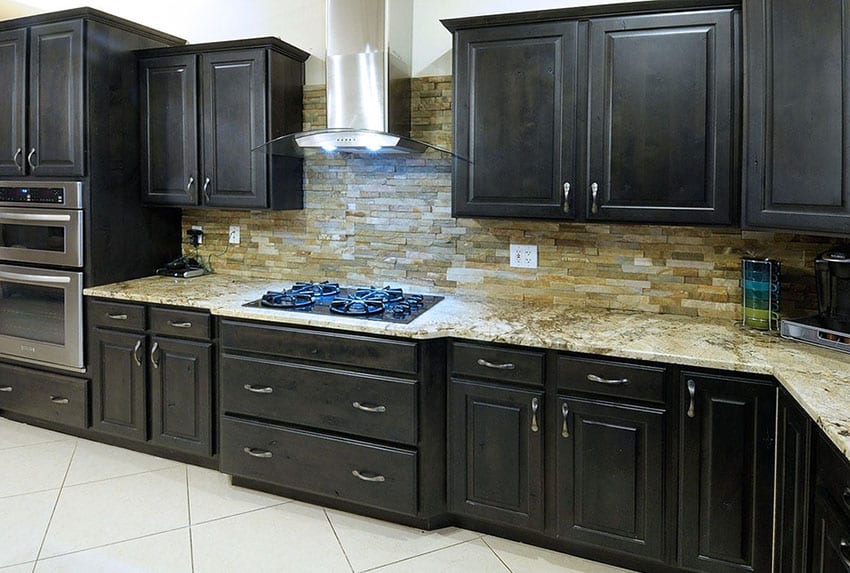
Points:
(388, 220)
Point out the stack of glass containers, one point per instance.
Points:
(760, 290)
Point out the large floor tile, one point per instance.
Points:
(165, 552)
(14, 434)
(369, 543)
(38, 467)
(211, 496)
(94, 461)
(23, 521)
(118, 509)
(469, 557)
(293, 537)
(522, 558)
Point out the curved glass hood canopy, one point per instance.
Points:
(361, 141)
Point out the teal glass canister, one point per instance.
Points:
(760, 293)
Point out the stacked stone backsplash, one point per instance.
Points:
(388, 220)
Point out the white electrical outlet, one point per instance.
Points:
(524, 256)
(233, 236)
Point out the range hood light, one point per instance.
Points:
(329, 147)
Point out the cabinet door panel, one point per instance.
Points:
(234, 120)
(661, 118)
(169, 111)
(798, 147)
(496, 454)
(830, 553)
(611, 476)
(515, 120)
(56, 108)
(13, 61)
(119, 395)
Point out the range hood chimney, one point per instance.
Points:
(368, 70)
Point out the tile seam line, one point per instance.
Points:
(74, 552)
(206, 521)
(338, 541)
(69, 438)
(379, 567)
(189, 516)
(72, 485)
(499, 557)
(55, 505)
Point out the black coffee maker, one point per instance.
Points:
(832, 272)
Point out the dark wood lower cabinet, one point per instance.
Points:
(831, 538)
(495, 452)
(119, 383)
(611, 475)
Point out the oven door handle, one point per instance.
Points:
(34, 278)
(34, 217)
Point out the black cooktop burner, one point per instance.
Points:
(321, 289)
(286, 300)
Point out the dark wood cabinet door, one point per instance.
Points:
(831, 538)
(495, 449)
(793, 488)
(56, 108)
(119, 386)
(611, 475)
(13, 92)
(233, 85)
(169, 112)
(661, 93)
(798, 126)
(181, 400)
(515, 120)
(726, 456)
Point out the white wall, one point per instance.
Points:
(299, 22)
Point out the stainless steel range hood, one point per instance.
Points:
(368, 70)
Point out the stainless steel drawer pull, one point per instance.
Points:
(844, 552)
(59, 400)
(189, 184)
(117, 316)
(535, 405)
(258, 389)
(29, 158)
(594, 189)
(153, 354)
(368, 408)
(845, 495)
(372, 478)
(611, 381)
(257, 453)
(5, 388)
(692, 388)
(565, 412)
(136, 356)
(180, 324)
(567, 198)
(15, 157)
(206, 188)
(505, 366)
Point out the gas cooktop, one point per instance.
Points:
(387, 304)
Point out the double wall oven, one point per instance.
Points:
(41, 272)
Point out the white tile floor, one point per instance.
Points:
(72, 505)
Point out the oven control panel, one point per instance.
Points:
(54, 194)
(34, 195)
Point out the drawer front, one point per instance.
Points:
(46, 396)
(362, 404)
(495, 363)
(121, 315)
(334, 348)
(320, 464)
(610, 378)
(180, 323)
(833, 474)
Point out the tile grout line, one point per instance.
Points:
(189, 511)
(378, 567)
(246, 512)
(83, 550)
(68, 439)
(333, 529)
(55, 505)
(499, 557)
(122, 476)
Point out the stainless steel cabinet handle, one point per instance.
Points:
(566, 198)
(59, 400)
(505, 366)
(5, 388)
(136, 356)
(535, 405)
(153, 354)
(257, 453)
(367, 408)
(180, 324)
(15, 157)
(206, 188)
(565, 412)
(29, 158)
(117, 316)
(374, 478)
(845, 495)
(594, 189)
(36, 217)
(258, 389)
(23, 277)
(611, 381)
(189, 184)
(692, 388)
(844, 552)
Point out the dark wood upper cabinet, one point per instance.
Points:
(661, 119)
(205, 108)
(13, 91)
(797, 145)
(515, 120)
(726, 457)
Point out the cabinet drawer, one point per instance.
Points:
(116, 315)
(334, 348)
(833, 474)
(362, 404)
(181, 323)
(46, 396)
(496, 363)
(360, 472)
(609, 378)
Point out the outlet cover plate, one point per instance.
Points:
(524, 256)
(233, 236)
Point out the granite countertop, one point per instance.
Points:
(819, 379)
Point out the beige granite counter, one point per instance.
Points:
(818, 378)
